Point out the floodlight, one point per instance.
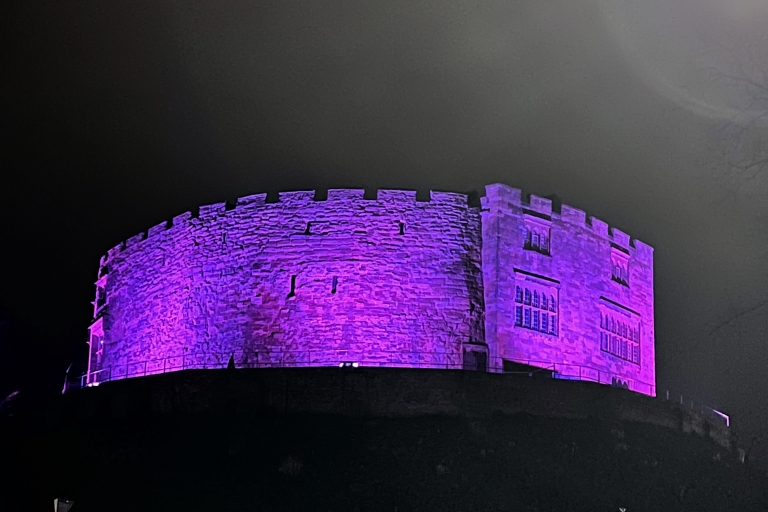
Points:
(62, 505)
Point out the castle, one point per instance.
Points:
(389, 280)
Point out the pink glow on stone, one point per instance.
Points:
(390, 281)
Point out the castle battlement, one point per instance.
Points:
(512, 198)
(253, 204)
(389, 278)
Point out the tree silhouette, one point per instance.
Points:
(745, 133)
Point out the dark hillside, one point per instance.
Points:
(235, 459)
(320, 462)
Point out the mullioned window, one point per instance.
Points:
(536, 308)
(620, 335)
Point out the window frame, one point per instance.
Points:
(532, 311)
(538, 234)
(617, 328)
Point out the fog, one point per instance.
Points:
(119, 116)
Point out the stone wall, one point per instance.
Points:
(299, 281)
(575, 268)
(390, 281)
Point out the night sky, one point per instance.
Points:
(119, 115)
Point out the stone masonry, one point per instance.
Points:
(389, 281)
(575, 270)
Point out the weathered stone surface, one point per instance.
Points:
(301, 282)
(391, 281)
(578, 269)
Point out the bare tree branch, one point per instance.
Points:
(739, 315)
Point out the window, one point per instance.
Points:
(292, 293)
(619, 335)
(334, 284)
(100, 301)
(535, 307)
(620, 267)
(537, 237)
(96, 350)
(101, 297)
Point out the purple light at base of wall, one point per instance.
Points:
(390, 281)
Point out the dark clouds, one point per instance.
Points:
(118, 116)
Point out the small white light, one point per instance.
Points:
(355, 365)
(341, 365)
(95, 384)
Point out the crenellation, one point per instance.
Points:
(540, 205)
(252, 200)
(135, 239)
(182, 220)
(116, 250)
(619, 238)
(159, 228)
(296, 197)
(573, 215)
(212, 210)
(526, 252)
(345, 194)
(644, 252)
(498, 193)
(449, 198)
(397, 196)
(422, 196)
(599, 227)
(377, 276)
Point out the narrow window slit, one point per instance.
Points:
(293, 287)
(335, 284)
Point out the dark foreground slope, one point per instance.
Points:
(231, 458)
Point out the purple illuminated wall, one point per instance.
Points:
(389, 281)
(601, 283)
(300, 282)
